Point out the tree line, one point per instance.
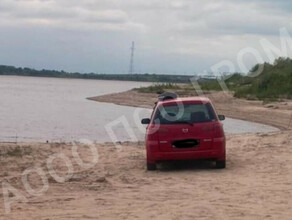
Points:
(11, 70)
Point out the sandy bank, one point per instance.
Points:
(275, 114)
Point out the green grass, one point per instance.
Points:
(158, 88)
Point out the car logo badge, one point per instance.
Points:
(185, 130)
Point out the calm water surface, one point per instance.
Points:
(41, 109)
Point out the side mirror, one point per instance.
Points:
(145, 121)
(221, 117)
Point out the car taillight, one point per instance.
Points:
(218, 130)
(152, 131)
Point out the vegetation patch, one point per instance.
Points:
(180, 89)
(14, 151)
(158, 88)
(273, 83)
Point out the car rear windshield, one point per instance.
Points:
(184, 113)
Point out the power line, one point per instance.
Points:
(131, 69)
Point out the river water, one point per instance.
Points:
(53, 109)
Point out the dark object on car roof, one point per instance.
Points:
(167, 96)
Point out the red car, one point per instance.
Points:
(184, 129)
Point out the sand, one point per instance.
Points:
(257, 183)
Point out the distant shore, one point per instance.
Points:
(141, 77)
(277, 114)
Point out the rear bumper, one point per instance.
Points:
(188, 155)
(216, 152)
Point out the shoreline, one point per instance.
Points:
(277, 114)
(105, 79)
(72, 78)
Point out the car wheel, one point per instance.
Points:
(151, 166)
(220, 164)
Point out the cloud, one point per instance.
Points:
(58, 14)
(192, 29)
(222, 28)
(279, 5)
(232, 18)
(188, 17)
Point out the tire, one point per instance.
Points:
(151, 166)
(220, 164)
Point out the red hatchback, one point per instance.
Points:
(184, 129)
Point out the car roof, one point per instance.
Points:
(196, 99)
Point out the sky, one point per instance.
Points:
(171, 36)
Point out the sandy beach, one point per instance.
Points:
(257, 183)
